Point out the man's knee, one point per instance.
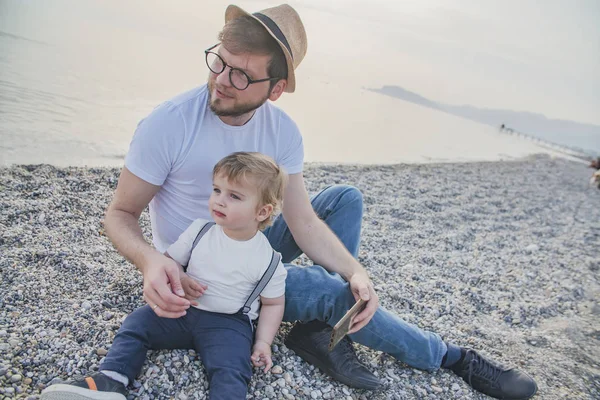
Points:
(347, 194)
(330, 288)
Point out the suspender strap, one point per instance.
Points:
(202, 232)
(275, 258)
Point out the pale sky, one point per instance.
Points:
(539, 56)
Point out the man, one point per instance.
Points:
(169, 166)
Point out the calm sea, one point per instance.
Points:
(77, 76)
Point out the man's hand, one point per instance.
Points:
(261, 355)
(162, 286)
(362, 288)
(192, 288)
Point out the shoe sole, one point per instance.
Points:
(314, 360)
(70, 392)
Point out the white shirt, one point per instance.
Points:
(230, 268)
(179, 143)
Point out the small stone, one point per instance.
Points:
(27, 381)
(86, 305)
(101, 352)
(281, 382)
(455, 387)
(436, 389)
(392, 374)
(277, 370)
(532, 247)
(315, 394)
(16, 378)
(55, 381)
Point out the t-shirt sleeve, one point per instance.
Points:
(181, 250)
(292, 153)
(156, 144)
(276, 286)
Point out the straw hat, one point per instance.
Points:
(284, 24)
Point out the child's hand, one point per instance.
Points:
(192, 288)
(261, 355)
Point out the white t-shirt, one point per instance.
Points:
(179, 143)
(230, 268)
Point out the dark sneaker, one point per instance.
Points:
(493, 379)
(310, 341)
(94, 387)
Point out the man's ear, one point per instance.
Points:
(278, 89)
(264, 212)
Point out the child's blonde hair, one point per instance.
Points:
(270, 179)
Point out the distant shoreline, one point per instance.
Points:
(557, 153)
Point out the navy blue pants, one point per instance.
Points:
(222, 341)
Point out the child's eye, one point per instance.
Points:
(216, 190)
(234, 196)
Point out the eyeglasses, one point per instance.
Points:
(238, 78)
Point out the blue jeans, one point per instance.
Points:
(222, 341)
(312, 293)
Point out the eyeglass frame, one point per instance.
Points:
(231, 69)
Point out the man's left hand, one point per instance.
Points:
(362, 288)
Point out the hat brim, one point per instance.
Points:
(233, 12)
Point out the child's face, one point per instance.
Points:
(235, 205)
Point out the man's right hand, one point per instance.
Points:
(162, 286)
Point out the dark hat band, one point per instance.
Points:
(275, 29)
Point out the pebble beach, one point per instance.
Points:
(503, 257)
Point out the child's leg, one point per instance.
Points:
(224, 344)
(143, 330)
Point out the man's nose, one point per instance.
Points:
(223, 78)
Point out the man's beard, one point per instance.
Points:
(237, 110)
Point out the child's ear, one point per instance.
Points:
(264, 212)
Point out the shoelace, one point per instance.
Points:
(483, 369)
(348, 348)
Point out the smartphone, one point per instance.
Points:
(345, 324)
